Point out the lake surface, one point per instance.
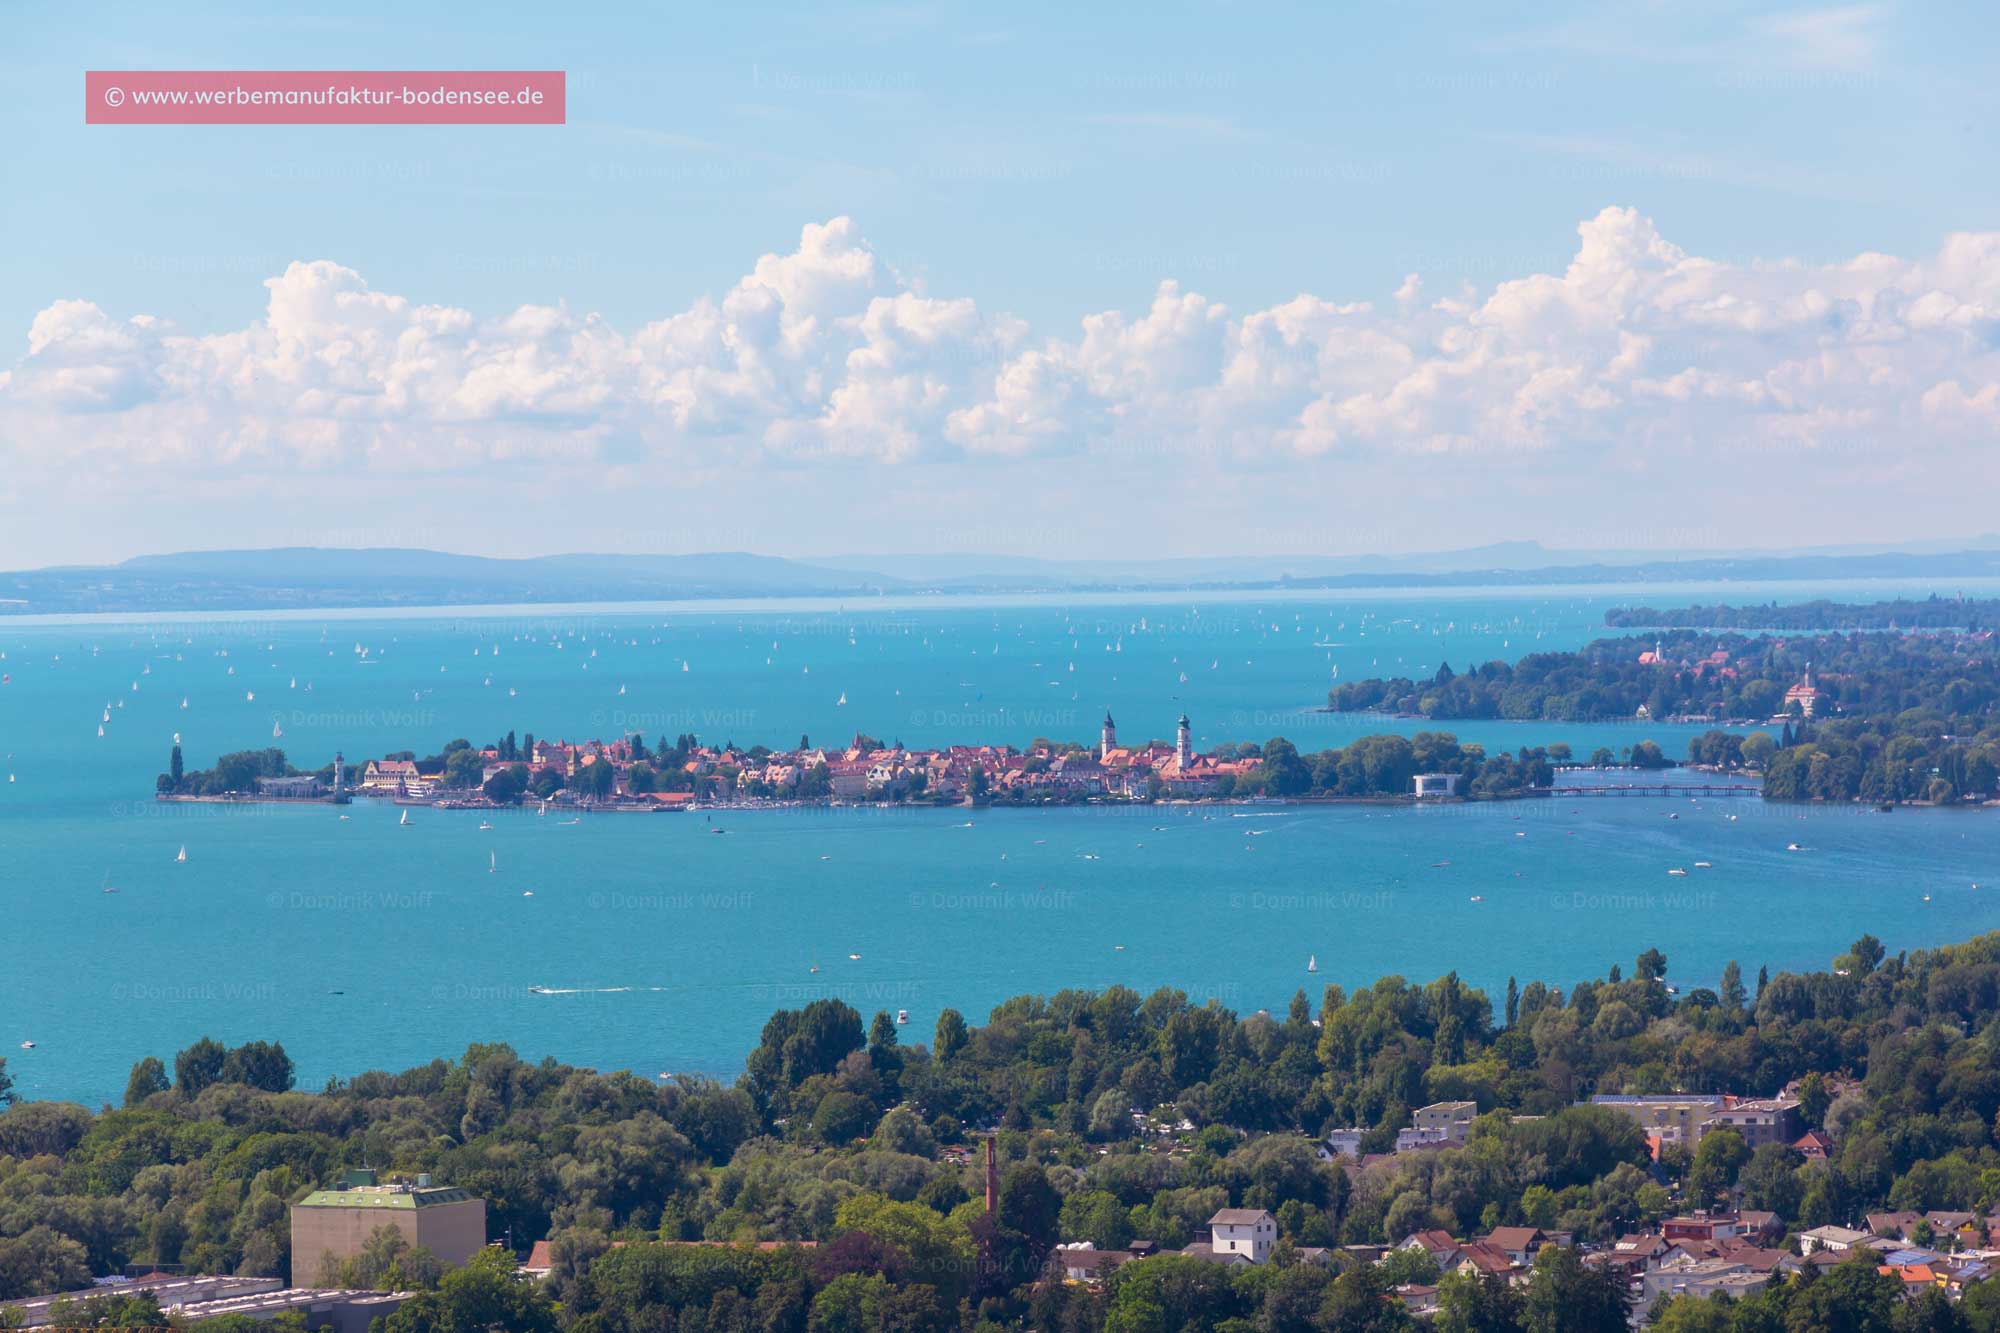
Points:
(360, 944)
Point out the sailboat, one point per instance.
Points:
(841, 702)
(277, 729)
(182, 855)
(405, 821)
(1312, 962)
(492, 862)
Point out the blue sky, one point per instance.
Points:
(1017, 174)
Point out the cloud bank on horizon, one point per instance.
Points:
(827, 354)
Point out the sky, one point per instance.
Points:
(1085, 281)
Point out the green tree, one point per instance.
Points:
(199, 1065)
(1732, 994)
(950, 1038)
(258, 1064)
(1717, 1160)
(486, 1295)
(1565, 1295)
(842, 1117)
(1814, 1100)
(148, 1077)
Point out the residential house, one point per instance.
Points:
(1520, 1244)
(1481, 1258)
(1418, 1299)
(1759, 1225)
(1760, 1121)
(1650, 1248)
(1699, 1225)
(1082, 1264)
(1438, 1244)
(1246, 1231)
(1895, 1225)
(1452, 1119)
(1341, 1143)
(1686, 1276)
(1675, 1118)
(1831, 1239)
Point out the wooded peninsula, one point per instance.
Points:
(1934, 612)
(1839, 716)
(836, 1183)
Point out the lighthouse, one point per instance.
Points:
(1107, 739)
(1183, 745)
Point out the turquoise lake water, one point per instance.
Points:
(360, 944)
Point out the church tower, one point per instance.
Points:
(1183, 745)
(1108, 739)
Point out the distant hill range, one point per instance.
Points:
(307, 578)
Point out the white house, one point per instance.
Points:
(1249, 1232)
(1341, 1143)
(1839, 1240)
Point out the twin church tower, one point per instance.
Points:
(1183, 741)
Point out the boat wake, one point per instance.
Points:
(591, 990)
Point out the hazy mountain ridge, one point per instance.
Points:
(290, 578)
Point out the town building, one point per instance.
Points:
(1683, 1275)
(1249, 1232)
(335, 1224)
(1341, 1143)
(168, 1289)
(1452, 1119)
(1764, 1120)
(1805, 694)
(1434, 785)
(388, 776)
(1834, 1240)
(1699, 1225)
(304, 787)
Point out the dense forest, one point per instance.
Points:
(1116, 1116)
(1932, 613)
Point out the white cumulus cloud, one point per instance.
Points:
(826, 353)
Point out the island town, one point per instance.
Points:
(627, 774)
